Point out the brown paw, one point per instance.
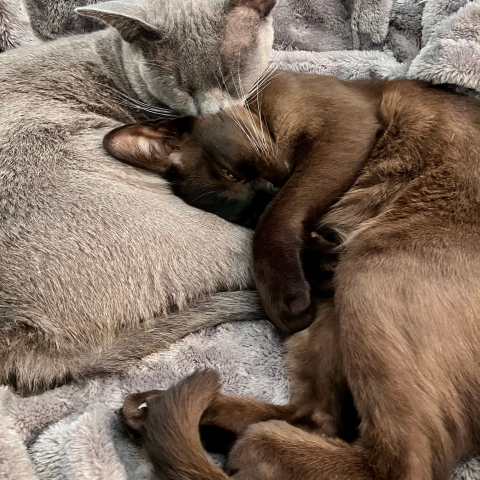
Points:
(134, 413)
(287, 302)
(281, 283)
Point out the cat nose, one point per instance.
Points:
(272, 189)
(209, 109)
(206, 106)
(266, 186)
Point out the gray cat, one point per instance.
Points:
(92, 251)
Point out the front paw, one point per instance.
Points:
(292, 312)
(285, 297)
(279, 277)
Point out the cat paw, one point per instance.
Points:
(287, 302)
(134, 412)
(280, 281)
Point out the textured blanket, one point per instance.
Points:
(433, 40)
(72, 432)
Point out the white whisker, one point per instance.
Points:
(251, 136)
(204, 195)
(238, 120)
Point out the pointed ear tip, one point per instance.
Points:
(264, 7)
(86, 11)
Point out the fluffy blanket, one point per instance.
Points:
(72, 432)
(433, 40)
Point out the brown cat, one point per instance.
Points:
(400, 335)
(233, 164)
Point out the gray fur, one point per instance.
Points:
(15, 27)
(182, 52)
(75, 424)
(94, 252)
(73, 433)
(57, 18)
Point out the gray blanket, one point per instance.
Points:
(72, 432)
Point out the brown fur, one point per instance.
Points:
(400, 336)
(325, 136)
(168, 427)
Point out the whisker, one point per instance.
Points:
(269, 144)
(259, 139)
(251, 136)
(161, 113)
(204, 195)
(238, 120)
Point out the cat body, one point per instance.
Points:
(93, 252)
(398, 344)
(233, 164)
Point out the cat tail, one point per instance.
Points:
(36, 367)
(172, 438)
(134, 345)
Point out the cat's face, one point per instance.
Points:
(195, 56)
(226, 164)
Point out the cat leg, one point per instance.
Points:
(319, 387)
(236, 414)
(320, 397)
(321, 177)
(278, 451)
(230, 413)
(406, 337)
(409, 341)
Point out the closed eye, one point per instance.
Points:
(229, 174)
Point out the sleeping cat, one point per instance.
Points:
(233, 165)
(92, 253)
(399, 343)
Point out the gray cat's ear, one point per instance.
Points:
(125, 16)
(153, 146)
(263, 7)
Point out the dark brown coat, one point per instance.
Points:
(401, 335)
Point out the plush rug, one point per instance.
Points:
(72, 432)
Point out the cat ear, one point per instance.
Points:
(263, 7)
(151, 146)
(127, 17)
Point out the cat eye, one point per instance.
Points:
(229, 174)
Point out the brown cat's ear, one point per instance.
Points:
(263, 7)
(125, 15)
(154, 146)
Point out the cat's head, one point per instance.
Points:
(227, 164)
(195, 56)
